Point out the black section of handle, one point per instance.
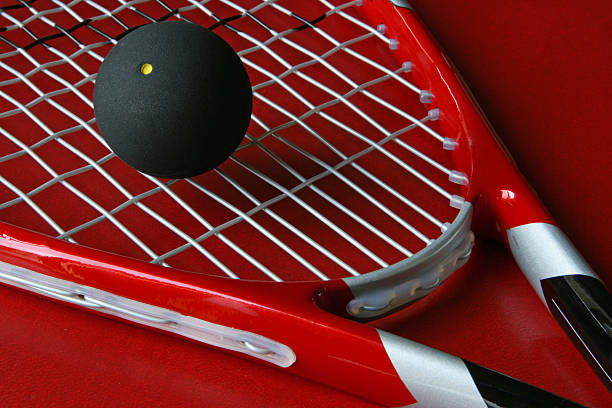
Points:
(583, 307)
(500, 391)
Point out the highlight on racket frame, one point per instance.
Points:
(322, 178)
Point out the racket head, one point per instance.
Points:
(334, 180)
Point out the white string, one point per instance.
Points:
(251, 56)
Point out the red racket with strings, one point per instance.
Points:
(361, 168)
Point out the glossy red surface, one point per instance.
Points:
(129, 366)
(495, 186)
(342, 346)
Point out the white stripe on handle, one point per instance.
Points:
(543, 251)
(436, 379)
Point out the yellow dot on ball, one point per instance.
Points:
(146, 69)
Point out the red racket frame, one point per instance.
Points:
(290, 313)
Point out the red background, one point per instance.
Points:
(541, 72)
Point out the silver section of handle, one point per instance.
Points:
(434, 378)
(543, 251)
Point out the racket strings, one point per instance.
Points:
(330, 165)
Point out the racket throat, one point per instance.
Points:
(381, 292)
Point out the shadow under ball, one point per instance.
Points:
(172, 99)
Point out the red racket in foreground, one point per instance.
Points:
(359, 174)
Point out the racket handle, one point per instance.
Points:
(499, 390)
(568, 286)
(437, 379)
(583, 307)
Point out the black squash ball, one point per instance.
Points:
(172, 99)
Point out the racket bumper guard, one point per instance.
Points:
(385, 290)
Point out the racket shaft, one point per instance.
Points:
(568, 286)
(499, 390)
